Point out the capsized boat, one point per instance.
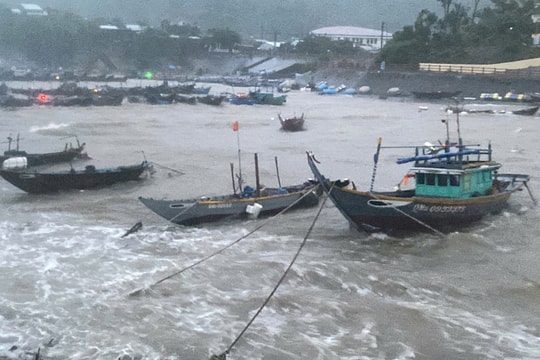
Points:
(454, 185)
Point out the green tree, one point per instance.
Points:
(494, 34)
(412, 44)
(222, 38)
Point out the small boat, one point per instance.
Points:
(292, 123)
(454, 185)
(185, 99)
(211, 99)
(435, 94)
(35, 182)
(246, 203)
(269, 201)
(69, 153)
(267, 98)
(104, 99)
(518, 97)
(527, 111)
(241, 99)
(491, 96)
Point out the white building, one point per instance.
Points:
(33, 10)
(367, 39)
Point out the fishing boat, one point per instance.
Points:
(68, 154)
(35, 182)
(292, 123)
(435, 94)
(248, 204)
(530, 111)
(449, 186)
(267, 98)
(245, 202)
(212, 99)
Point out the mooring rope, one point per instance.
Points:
(138, 291)
(223, 356)
(411, 217)
(168, 168)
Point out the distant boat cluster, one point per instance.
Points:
(70, 94)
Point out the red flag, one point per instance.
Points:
(235, 126)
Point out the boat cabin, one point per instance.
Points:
(458, 173)
(453, 183)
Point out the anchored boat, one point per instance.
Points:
(454, 185)
(246, 203)
(36, 182)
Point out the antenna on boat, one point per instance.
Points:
(447, 142)
(459, 131)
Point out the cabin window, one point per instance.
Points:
(420, 178)
(454, 180)
(442, 180)
(430, 179)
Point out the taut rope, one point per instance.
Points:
(224, 354)
(137, 292)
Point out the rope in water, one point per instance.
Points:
(168, 168)
(223, 355)
(136, 292)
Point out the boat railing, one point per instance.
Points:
(461, 154)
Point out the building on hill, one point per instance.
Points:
(367, 39)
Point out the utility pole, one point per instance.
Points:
(382, 34)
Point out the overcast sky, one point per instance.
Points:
(291, 17)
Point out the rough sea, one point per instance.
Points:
(71, 287)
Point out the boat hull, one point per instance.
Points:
(45, 158)
(292, 124)
(401, 210)
(43, 182)
(367, 210)
(194, 212)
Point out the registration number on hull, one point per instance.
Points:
(453, 209)
(219, 206)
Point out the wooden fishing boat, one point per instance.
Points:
(245, 202)
(453, 186)
(212, 99)
(36, 182)
(292, 123)
(267, 98)
(68, 154)
(435, 94)
(248, 204)
(530, 111)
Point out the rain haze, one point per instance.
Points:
(132, 271)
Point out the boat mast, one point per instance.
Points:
(277, 172)
(257, 180)
(375, 161)
(232, 176)
(447, 142)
